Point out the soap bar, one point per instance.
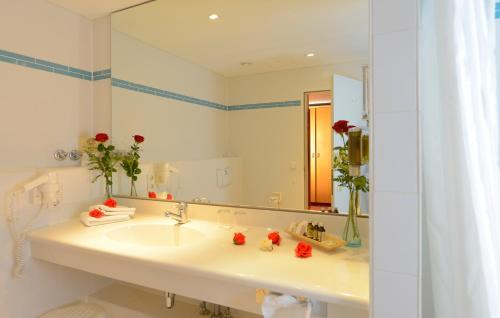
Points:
(301, 228)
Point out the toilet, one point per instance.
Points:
(76, 311)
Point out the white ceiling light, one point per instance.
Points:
(310, 54)
(213, 16)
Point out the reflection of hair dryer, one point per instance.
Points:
(163, 171)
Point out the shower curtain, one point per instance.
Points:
(460, 158)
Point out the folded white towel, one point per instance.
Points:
(119, 210)
(285, 306)
(91, 221)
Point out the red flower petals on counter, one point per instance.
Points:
(110, 203)
(239, 239)
(152, 195)
(275, 237)
(96, 213)
(170, 197)
(303, 250)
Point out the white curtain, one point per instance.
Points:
(460, 157)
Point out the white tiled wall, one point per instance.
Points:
(39, 113)
(395, 224)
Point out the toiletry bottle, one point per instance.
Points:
(321, 232)
(310, 230)
(316, 231)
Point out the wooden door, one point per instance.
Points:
(323, 154)
(312, 154)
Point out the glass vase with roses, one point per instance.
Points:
(354, 184)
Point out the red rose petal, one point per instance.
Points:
(96, 213)
(303, 250)
(110, 203)
(239, 239)
(275, 237)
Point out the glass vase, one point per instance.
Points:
(133, 190)
(109, 190)
(351, 229)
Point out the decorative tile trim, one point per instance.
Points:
(47, 66)
(497, 10)
(43, 65)
(200, 102)
(100, 75)
(165, 94)
(290, 103)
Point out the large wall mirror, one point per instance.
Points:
(237, 99)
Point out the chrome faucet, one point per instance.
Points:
(182, 214)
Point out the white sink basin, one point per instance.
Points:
(156, 235)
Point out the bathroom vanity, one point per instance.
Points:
(199, 260)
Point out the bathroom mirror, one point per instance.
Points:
(236, 99)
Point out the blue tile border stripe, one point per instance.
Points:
(47, 66)
(163, 93)
(116, 82)
(289, 103)
(497, 10)
(43, 65)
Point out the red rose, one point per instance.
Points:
(342, 127)
(101, 137)
(303, 250)
(138, 138)
(152, 195)
(275, 237)
(239, 239)
(170, 197)
(110, 203)
(96, 213)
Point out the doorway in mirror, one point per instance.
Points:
(319, 145)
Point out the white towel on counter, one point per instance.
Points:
(285, 306)
(92, 221)
(119, 210)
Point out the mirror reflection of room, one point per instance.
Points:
(228, 111)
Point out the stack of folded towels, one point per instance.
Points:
(108, 212)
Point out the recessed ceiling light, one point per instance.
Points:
(310, 54)
(213, 16)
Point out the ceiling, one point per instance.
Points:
(93, 9)
(273, 35)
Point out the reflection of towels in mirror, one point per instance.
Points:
(224, 177)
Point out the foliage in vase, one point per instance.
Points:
(341, 161)
(130, 163)
(103, 159)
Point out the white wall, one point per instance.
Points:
(271, 141)
(174, 130)
(42, 112)
(395, 221)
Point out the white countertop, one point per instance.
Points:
(340, 277)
